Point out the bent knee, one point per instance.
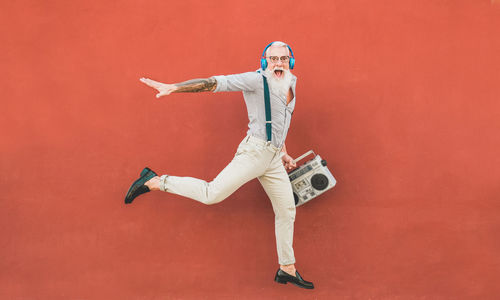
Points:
(215, 194)
(213, 199)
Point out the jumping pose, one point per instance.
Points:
(261, 154)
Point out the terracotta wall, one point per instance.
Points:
(400, 97)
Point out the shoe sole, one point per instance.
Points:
(284, 281)
(145, 171)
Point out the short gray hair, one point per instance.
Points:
(278, 44)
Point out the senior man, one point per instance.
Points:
(262, 153)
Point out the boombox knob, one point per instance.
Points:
(323, 162)
(296, 198)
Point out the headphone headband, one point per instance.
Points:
(263, 61)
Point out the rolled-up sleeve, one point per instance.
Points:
(248, 81)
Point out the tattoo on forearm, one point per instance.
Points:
(196, 85)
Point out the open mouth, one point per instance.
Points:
(278, 73)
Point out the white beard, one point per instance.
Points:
(279, 86)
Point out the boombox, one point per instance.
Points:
(311, 179)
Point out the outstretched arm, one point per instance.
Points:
(190, 86)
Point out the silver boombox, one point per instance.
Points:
(311, 179)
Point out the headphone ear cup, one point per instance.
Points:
(263, 63)
(291, 63)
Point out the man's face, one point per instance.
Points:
(277, 66)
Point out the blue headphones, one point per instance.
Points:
(263, 61)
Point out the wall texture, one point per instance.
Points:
(400, 97)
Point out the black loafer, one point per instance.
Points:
(137, 188)
(283, 277)
(144, 171)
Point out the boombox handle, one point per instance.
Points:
(303, 155)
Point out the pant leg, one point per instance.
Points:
(245, 166)
(279, 190)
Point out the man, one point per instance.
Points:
(262, 153)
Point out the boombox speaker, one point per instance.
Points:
(310, 179)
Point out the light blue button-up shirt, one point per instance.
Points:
(252, 86)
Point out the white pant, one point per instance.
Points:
(254, 159)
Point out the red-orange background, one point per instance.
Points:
(400, 97)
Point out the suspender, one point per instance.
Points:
(267, 100)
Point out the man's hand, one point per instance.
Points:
(288, 162)
(162, 88)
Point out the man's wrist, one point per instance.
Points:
(283, 149)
